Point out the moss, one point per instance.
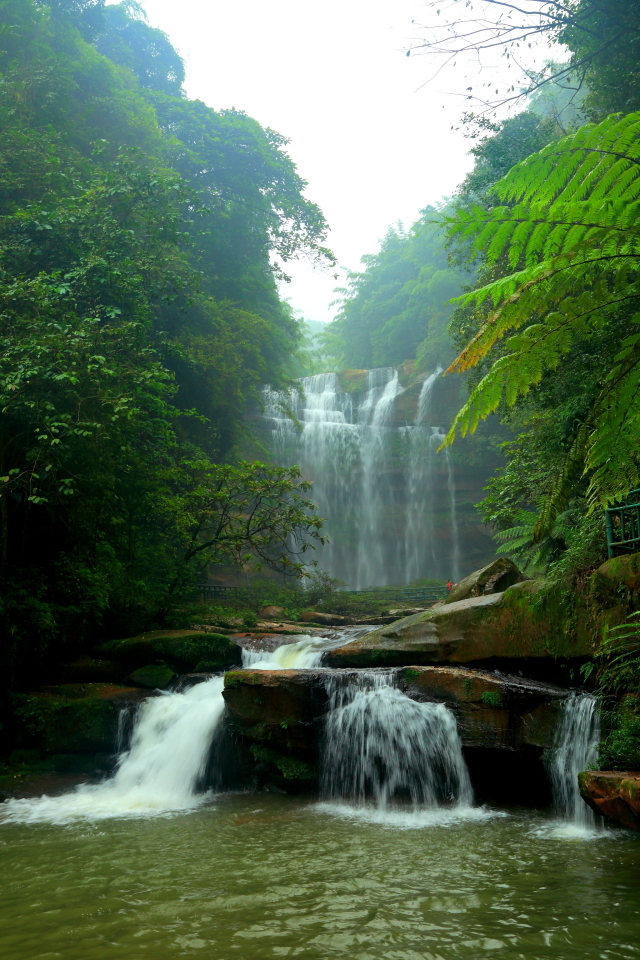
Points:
(181, 652)
(67, 723)
(153, 677)
(409, 673)
(352, 381)
(491, 698)
(290, 768)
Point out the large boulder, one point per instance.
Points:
(615, 795)
(278, 708)
(512, 631)
(181, 649)
(494, 578)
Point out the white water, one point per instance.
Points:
(392, 759)
(162, 771)
(380, 486)
(576, 749)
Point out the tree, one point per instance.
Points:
(127, 39)
(244, 514)
(568, 227)
(603, 38)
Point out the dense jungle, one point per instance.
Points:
(361, 598)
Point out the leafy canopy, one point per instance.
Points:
(566, 223)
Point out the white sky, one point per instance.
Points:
(334, 79)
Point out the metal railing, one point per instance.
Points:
(623, 526)
(211, 591)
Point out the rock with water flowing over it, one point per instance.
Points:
(284, 708)
(508, 630)
(613, 794)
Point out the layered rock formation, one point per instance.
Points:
(613, 794)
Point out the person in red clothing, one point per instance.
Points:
(449, 586)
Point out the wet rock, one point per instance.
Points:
(494, 578)
(277, 708)
(73, 718)
(493, 710)
(615, 795)
(269, 612)
(284, 708)
(330, 619)
(152, 676)
(508, 630)
(181, 649)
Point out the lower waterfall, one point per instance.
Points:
(163, 769)
(381, 747)
(576, 748)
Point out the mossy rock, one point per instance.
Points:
(153, 676)
(181, 649)
(352, 381)
(73, 717)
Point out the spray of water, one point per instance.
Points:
(390, 757)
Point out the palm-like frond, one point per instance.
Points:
(569, 220)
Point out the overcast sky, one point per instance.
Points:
(374, 143)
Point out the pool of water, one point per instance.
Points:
(261, 876)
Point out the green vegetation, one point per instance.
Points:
(141, 236)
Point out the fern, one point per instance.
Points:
(568, 224)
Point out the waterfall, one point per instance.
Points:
(382, 746)
(379, 485)
(163, 769)
(576, 748)
(372, 557)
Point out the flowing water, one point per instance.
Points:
(576, 749)
(386, 493)
(394, 864)
(380, 746)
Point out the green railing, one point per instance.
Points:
(623, 526)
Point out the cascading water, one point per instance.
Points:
(576, 748)
(379, 485)
(163, 769)
(380, 746)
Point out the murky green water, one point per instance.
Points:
(265, 876)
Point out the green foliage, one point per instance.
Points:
(491, 698)
(290, 768)
(620, 750)
(568, 224)
(126, 38)
(396, 308)
(139, 318)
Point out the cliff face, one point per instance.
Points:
(397, 508)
